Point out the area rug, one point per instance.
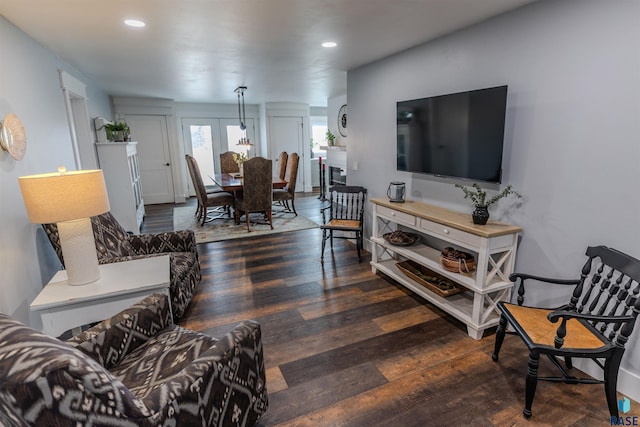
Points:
(226, 229)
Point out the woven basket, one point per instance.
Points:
(459, 265)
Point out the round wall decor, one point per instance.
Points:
(12, 136)
(342, 120)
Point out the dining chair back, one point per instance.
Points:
(282, 164)
(220, 199)
(228, 163)
(257, 190)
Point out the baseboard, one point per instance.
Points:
(628, 382)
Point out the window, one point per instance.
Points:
(318, 134)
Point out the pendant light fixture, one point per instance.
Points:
(242, 115)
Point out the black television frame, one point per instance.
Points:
(435, 137)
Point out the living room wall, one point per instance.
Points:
(572, 127)
(30, 88)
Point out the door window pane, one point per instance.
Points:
(202, 145)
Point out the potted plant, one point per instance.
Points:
(118, 131)
(240, 158)
(478, 196)
(331, 138)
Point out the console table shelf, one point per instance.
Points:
(493, 245)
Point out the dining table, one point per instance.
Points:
(233, 182)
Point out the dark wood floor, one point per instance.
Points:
(346, 347)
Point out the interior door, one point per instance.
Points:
(202, 140)
(285, 134)
(151, 133)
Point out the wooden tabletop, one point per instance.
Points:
(230, 182)
(449, 218)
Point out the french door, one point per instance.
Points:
(206, 139)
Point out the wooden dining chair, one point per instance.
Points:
(288, 193)
(207, 200)
(595, 324)
(345, 214)
(228, 163)
(257, 190)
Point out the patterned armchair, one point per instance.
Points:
(135, 369)
(114, 244)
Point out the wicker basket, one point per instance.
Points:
(466, 264)
(439, 284)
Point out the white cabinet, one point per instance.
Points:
(493, 246)
(119, 163)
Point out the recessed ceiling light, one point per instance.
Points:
(134, 23)
(329, 44)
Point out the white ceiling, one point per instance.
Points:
(201, 50)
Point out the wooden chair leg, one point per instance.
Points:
(270, 215)
(204, 215)
(611, 367)
(324, 243)
(502, 329)
(293, 206)
(532, 382)
(359, 245)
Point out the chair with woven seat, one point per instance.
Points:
(207, 199)
(288, 193)
(345, 214)
(595, 324)
(228, 164)
(257, 190)
(135, 369)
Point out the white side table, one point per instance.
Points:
(121, 284)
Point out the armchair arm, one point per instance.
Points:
(228, 378)
(554, 316)
(323, 211)
(521, 278)
(112, 339)
(175, 241)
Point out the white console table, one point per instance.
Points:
(121, 284)
(493, 246)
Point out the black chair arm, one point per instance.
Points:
(323, 209)
(521, 278)
(514, 276)
(554, 316)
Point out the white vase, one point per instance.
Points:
(241, 169)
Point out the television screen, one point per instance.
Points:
(458, 135)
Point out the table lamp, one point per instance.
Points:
(69, 199)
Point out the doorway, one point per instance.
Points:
(206, 139)
(286, 134)
(151, 133)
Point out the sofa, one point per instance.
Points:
(114, 244)
(135, 369)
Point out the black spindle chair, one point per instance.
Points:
(595, 324)
(346, 214)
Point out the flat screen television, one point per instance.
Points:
(458, 135)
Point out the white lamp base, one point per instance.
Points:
(79, 251)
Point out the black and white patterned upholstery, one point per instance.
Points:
(135, 369)
(114, 244)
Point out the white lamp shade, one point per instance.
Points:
(65, 196)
